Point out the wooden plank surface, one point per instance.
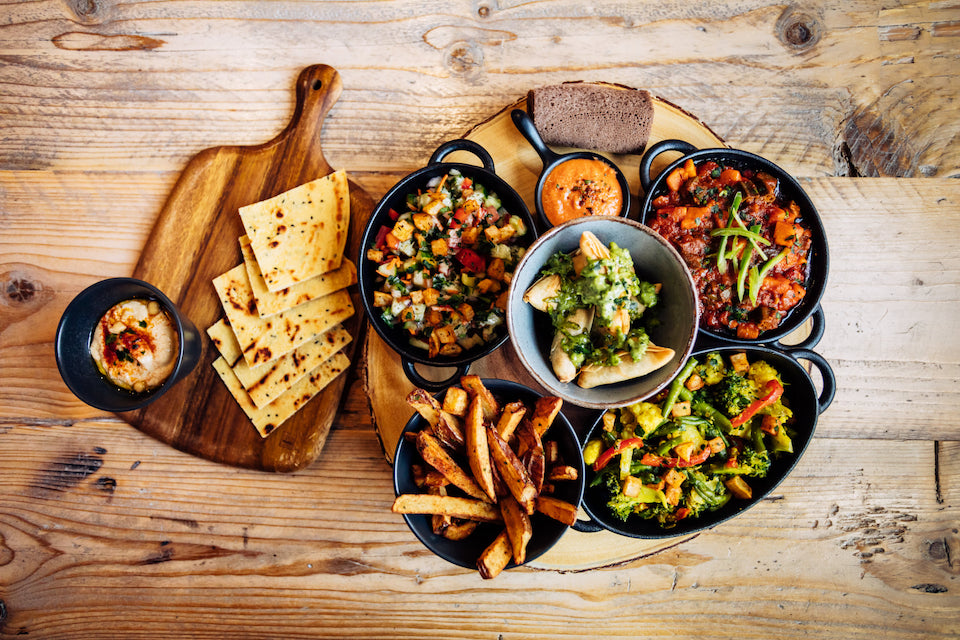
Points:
(106, 530)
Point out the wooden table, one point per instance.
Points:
(105, 532)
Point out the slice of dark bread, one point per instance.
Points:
(592, 116)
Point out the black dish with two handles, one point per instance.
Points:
(790, 189)
(803, 399)
(395, 198)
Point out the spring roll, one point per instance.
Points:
(596, 375)
(562, 366)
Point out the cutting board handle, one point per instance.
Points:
(318, 88)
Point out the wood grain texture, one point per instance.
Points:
(96, 533)
(194, 240)
(107, 531)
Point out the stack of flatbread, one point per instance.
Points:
(281, 340)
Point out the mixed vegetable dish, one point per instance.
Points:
(695, 448)
(444, 267)
(746, 246)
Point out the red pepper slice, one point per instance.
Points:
(682, 513)
(620, 447)
(774, 391)
(652, 460)
(380, 242)
(471, 260)
(694, 460)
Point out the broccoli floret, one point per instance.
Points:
(646, 415)
(753, 463)
(622, 506)
(734, 393)
(706, 494)
(762, 372)
(712, 369)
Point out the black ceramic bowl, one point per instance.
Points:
(552, 160)
(397, 338)
(790, 189)
(805, 402)
(546, 531)
(75, 332)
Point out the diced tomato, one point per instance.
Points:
(380, 242)
(466, 184)
(393, 214)
(471, 260)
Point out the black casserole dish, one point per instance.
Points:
(749, 233)
(435, 260)
(799, 394)
(546, 530)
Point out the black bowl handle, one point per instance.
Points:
(816, 332)
(410, 368)
(524, 124)
(462, 144)
(826, 373)
(587, 526)
(661, 147)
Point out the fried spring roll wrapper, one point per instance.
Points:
(562, 366)
(496, 557)
(434, 454)
(596, 375)
(453, 506)
(541, 293)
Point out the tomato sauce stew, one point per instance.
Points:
(746, 246)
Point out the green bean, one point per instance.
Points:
(677, 385)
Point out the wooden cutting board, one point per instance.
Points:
(386, 385)
(195, 239)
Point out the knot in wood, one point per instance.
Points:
(20, 290)
(464, 59)
(483, 11)
(88, 11)
(798, 30)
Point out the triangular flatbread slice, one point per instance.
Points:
(270, 302)
(267, 419)
(266, 382)
(300, 233)
(226, 343)
(264, 339)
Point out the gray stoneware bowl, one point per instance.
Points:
(75, 331)
(675, 316)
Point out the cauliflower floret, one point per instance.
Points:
(647, 415)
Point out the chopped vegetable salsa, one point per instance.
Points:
(444, 267)
(693, 448)
(746, 246)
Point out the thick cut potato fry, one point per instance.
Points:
(543, 415)
(519, 529)
(512, 471)
(557, 509)
(434, 454)
(455, 401)
(438, 522)
(460, 530)
(530, 451)
(510, 418)
(453, 506)
(443, 424)
(474, 386)
(495, 558)
(478, 453)
(562, 472)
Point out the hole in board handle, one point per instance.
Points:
(317, 84)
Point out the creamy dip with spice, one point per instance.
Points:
(135, 345)
(581, 187)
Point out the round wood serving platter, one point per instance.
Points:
(195, 239)
(387, 386)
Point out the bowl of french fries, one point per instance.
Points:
(488, 474)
